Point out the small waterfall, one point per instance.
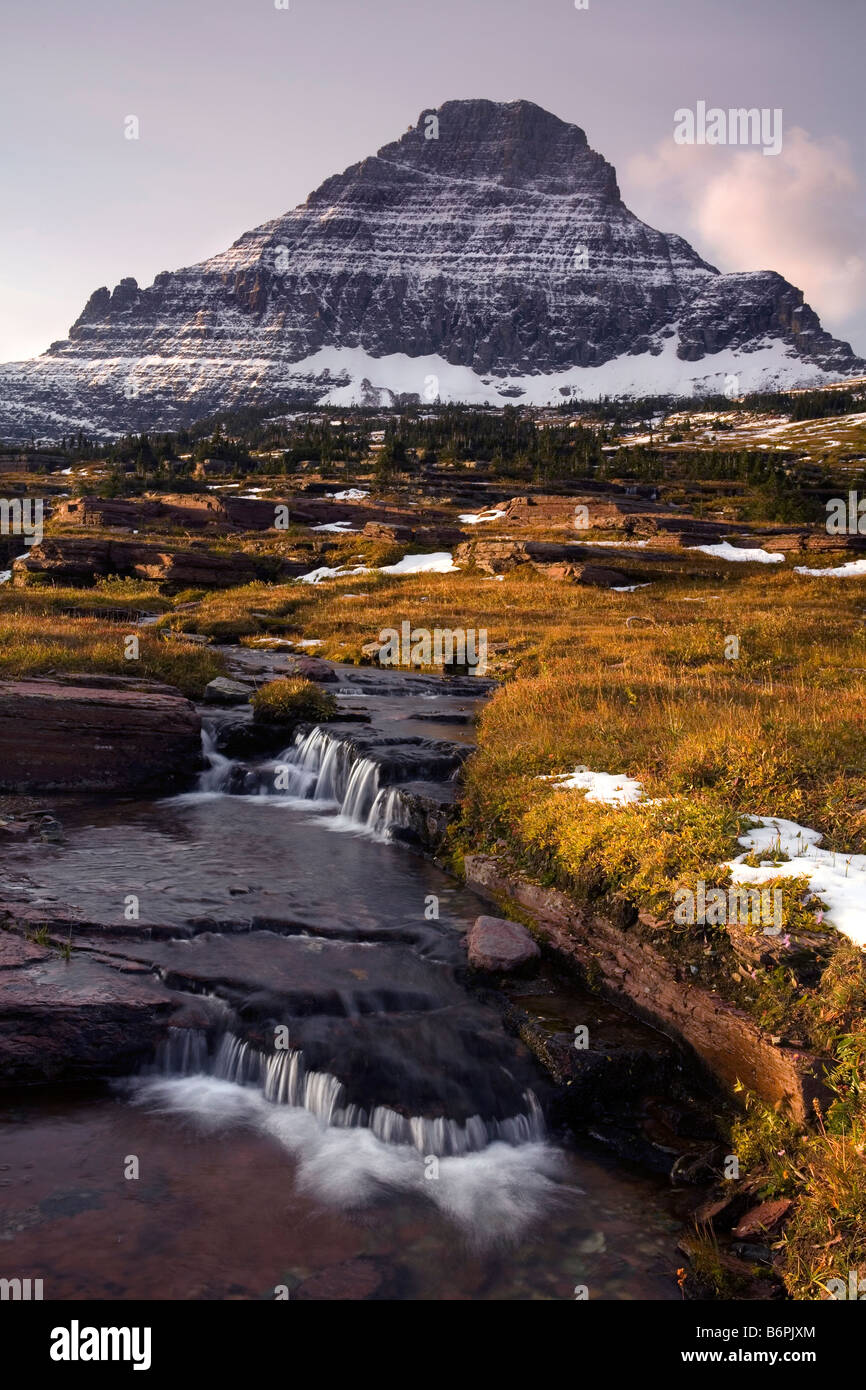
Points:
(388, 813)
(361, 792)
(185, 1050)
(318, 766)
(283, 1079)
(219, 768)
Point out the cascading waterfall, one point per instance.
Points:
(283, 1079)
(320, 767)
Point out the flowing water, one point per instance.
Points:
(343, 1116)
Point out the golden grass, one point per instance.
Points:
(33, 644)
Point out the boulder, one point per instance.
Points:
(312, 668)
(600, 513)
(86, 737)
(495, 944)
(763, 1219)
(388, 531)
(559, 571)
(494, 557)
(223, 691)
(600, 577)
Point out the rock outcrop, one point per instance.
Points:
(81, 560)
(728, 1042)
(115, 736)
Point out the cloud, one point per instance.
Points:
(799, 213)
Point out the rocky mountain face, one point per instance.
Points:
(485, 256)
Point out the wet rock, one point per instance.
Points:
(495, 944)
(312, 668)
(76, 1020)
(223, 691)
(357, 1280)
(34, 825)
(85, 738)
(16, 951)
(426, 811)
(763, 1219)
(722, 1212)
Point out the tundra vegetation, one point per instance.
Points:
(640, 682)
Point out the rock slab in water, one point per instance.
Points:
(223, 691)
(76, 1020)
(496, 944)
(58, 737)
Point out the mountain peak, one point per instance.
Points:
(514, 143)
(485, 255)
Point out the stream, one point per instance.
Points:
(344, 1116)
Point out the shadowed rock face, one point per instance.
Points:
(115, 736)
(80, 559)
(502, 246)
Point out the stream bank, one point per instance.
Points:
(276, 896)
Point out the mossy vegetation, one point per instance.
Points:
(292, 700)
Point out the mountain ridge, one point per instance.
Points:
(486, 254)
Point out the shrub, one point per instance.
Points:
(292, 700)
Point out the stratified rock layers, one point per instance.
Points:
(497, 259)
(109, 737)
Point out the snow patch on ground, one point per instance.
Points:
(350, 494)
(725, 551)
(645, 374)
(474, 518)
(854, 567)
(326, 572)
(439, 562)
(838, 879)
(610, 788)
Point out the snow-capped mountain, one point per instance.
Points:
(485, 256)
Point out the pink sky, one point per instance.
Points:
(245, 108)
